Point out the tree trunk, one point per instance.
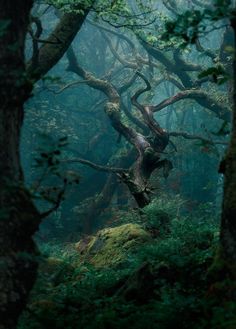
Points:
(228, 167)
(19, 218)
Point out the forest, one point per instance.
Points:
(117, 164)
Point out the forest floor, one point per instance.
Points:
(150, 271)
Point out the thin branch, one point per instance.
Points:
(129, 25)
(119, 35)
(201, 96)
(47, 41)
(71, 84)
(57, 202)
(127, 84)
(207, 52)
(139, 92)
(170, 6)
(34, 36)
(133, 118)
(196, 137)
(96, 166)
(147, 113)
(123, 61)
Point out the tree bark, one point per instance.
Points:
(181, 69)
(228, 167)
(19, 219)
(58, 42)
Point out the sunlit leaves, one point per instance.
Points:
(77, 6)
(151, 39)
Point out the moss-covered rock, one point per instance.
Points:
(111, 246)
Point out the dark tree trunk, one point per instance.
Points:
(228, 167)
(19, 218)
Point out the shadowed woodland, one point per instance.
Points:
(117, 164)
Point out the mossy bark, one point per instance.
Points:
(58, 42)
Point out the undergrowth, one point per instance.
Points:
(163, 285)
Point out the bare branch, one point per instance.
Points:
(127, 84)
(112, 106)
(196, 137)
(116, 33)
(201, 96)
(96, 166)
(57, 202)
(171, 6)
(140, 91)
(133, 118)
(71, 84)
(126, 63)
(35, 36)
(147, 113)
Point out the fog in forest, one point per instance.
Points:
(64, 106)
(122, 148)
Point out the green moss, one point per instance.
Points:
(111, 246)
(50, 265)
(112, 109)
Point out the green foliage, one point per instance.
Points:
(186, 27)
(76, 6)
(159, 210)
(73, 292)
(120, 13)
(162, 285)
(172, 205)
(187, 245)
(192, 24)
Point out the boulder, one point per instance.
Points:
(112, 246)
